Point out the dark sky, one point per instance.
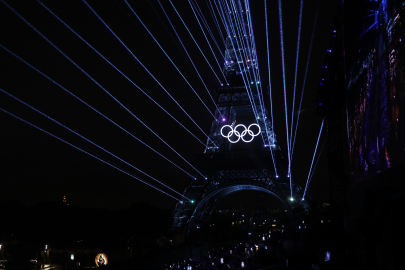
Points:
(35, 166)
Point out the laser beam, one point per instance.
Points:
(285, 91)
(310, 169)
(295, 78)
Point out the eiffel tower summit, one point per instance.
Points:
(242, 151)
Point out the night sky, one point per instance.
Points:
(35, 166)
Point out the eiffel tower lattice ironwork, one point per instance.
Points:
(231, 167)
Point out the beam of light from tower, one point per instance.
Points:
(134, 84)
(221, 17)
(271, 101)
(139, 19)
(310, 169)
(305, 77)
(295, 78)
(84, 138)
(204, 21)
(316, 163)
(213, 15)
(195, 68)
(178, 14)
(285, 91)
(82, 101)
(108, 93)
(105, 162)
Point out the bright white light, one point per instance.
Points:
(46, 246)
(240, 134)
(72, 257)
(292, 199)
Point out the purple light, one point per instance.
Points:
(334, 31)
(223, 119)
(320, 104)
(321, 83)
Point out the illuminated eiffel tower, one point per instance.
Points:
(230, 167)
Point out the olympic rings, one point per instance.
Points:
(240, 134)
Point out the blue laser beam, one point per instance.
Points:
(305, 77)
(139, 19)
(270, 96)
(195, 68)
(178, 14)
(221, 17)
(295, 78)
(285, 91)
(108, 93)
(82, 101)
(213, 15)
(56, 137)
(207, 27)
(88, 44)
(84, 138)
(316, 163)
(316, 147)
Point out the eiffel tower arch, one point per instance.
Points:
(231, 167)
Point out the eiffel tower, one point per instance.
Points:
(231, 167)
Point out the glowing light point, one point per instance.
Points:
(276, 176)
(223, 119)
(302, 199)
(258, 82)
(205, 178)
(192, 201)
(291, 199)
(222, 84)
(251, 82)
